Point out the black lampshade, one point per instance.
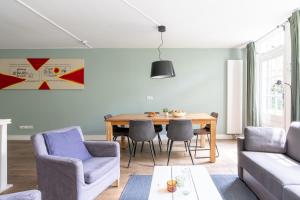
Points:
(162, 69)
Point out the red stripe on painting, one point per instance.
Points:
(37, 63)
(76, 76)
(44, 86)
(7, 80)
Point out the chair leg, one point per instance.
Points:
(217, 151)
(116, 183)
(130, 155)
(152, 153)
(208, 138)
(196, 145)
(169, 154)
(114, 138)
(185, 146)
(134, 149)
(168, 145)
(129, 146)
(152, 144)
(159, 141)
(189, 144)
(142, 147)
(132, 142)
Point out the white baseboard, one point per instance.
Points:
(18, 137)
(27, 137)
(103, 137)
(224, 137)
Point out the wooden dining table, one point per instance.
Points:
(197, 119)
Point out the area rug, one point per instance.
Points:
(229, 186)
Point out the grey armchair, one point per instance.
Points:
(26, 195)
(63, 178)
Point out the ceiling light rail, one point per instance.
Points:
(141, 12)
(83, 42)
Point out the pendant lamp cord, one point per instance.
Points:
(161, 44)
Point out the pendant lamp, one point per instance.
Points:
(162, 68)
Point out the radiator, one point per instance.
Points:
(234, 96)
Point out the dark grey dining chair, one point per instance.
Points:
(117, 131)
(141, 131)
(180, 130)
(205, 131)
(158, 128)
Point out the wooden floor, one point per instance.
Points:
(22, 173)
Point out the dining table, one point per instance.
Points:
(201, 119)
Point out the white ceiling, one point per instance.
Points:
(113, 24)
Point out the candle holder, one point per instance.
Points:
(171, 185)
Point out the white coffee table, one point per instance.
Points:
(199, 187)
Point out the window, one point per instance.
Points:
(271, 69)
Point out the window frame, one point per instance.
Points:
(275, 120)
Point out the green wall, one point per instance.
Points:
(117, 81)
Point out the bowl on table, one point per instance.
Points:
(178, 113)
(151, 114)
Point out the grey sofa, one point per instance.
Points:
(26, 195)
(62, 178)
(268, 162)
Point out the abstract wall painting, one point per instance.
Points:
(41, 73)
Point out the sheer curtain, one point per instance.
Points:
(273, 75)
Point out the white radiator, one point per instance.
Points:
(234, 96)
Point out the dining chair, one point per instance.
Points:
(141, 131)
(180, 130)
(205, 131)
(117, 131)
(158, 128)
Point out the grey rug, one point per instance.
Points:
(229, 186)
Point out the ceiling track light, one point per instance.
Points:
(50, 21)
(141, 12)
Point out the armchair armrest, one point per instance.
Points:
(103, 148)
(240, 144)
(58, 176)
(265, 139)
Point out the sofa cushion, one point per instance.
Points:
(67, 143)
(293, 141)
(263, 139)
(272, 170)
(291, 192)
(97, 167)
